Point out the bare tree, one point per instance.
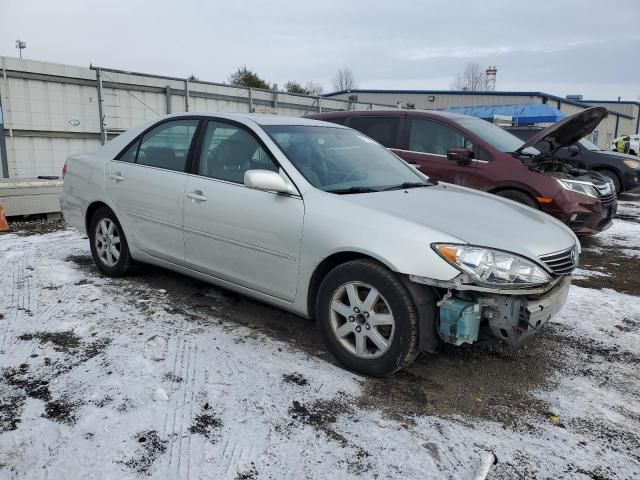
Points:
(472, 78)
(314, 88)
(344, 80)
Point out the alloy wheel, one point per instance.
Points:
(107, 242)
(361, 320)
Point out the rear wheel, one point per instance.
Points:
(367, 318)
(109, 247)
(613, 177)
(520, 197)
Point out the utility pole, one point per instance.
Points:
(20, 45)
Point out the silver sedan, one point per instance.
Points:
(321, 220)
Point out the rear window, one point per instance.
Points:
(383, 130)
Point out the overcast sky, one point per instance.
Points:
(560, 47)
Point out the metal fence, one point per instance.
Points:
(49, 111)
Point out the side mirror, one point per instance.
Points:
(460, 155)
(265, 180)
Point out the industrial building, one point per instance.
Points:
(623, 116)
(49, 111)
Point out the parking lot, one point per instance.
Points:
(157, 374)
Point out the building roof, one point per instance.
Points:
(582, 103)
(523, 113)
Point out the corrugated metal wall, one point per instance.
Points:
(52, 111)
(429, 101)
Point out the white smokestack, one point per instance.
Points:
(491, 78)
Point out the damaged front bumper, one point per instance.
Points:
(512, 316)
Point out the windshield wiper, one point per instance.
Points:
(341, 191)
(405, 185)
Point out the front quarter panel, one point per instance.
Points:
(336, 226)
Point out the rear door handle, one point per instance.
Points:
(196, 196)
(116, 177)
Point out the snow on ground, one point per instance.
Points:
(82, 358)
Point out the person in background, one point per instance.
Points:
(623, 144)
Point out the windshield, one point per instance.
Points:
(588, 145)
(495, 136)
(341, 160)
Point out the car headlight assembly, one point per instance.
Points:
(632, 164)
(586, 188)
(493, 267)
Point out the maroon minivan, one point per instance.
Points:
(475, 153)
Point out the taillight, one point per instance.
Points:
(64, 170)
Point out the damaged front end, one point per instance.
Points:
(499, 295)
(510, 318)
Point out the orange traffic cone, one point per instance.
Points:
(4, 226)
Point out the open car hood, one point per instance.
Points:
(567, 131)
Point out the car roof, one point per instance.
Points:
(260, 119)
(392, 113)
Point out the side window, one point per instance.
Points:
(434, 137)
(129, 155)
(383, 130)
(167, 145)
(482, 154)
(229, 151)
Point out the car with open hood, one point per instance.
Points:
(622, 169)
(474, 153)
(323, 221)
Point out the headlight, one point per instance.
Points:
(632, 164)
(493, 267)
(586, 188)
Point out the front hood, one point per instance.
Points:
(474, 217)
(617, 155)
(566, 132)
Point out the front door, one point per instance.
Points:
(427, 147)
(244, 236)
(146, 184)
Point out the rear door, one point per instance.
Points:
(241, 235)
(427, 144)
(146, 183)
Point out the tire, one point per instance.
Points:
(614, 178)
(520, 197)
(109, 247)
(392, 320)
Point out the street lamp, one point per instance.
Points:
(20, 45)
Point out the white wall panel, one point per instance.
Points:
(29, 157)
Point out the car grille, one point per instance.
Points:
(607, 194)
(561, 263)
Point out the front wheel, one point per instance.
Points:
(520, 197)
(367, 318)
(109, 247)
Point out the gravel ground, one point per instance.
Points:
(160, 375)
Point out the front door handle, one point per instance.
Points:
(116, 177)
(196, 196)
